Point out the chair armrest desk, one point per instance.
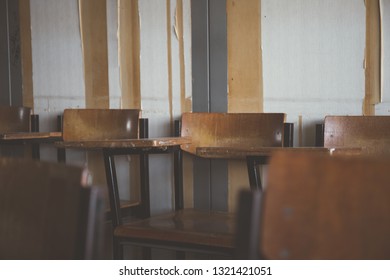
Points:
(34, 138)
(261, 155)
(111, 148)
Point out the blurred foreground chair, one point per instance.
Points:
(318, 207)
(48, 212)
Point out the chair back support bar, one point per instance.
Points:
(370, 132)
(14, 119)
(232, 130)
(100, 124)
(326, 207)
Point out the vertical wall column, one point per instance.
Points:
(4, 57)
(10, 54)
(209, 94)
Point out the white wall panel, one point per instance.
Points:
(155, 95)
(58, 76)
(187, 48)
(313, 53)
(113, 63)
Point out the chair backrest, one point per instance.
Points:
(14, 119)
(232, 130)
(326, 207)
(100, 124)
(370, 132)
(47, 212)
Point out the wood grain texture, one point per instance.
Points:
(372, 133)
(245, 77)
(49, 136)
(93, 26)
(321, 207)
(242, 152)
(14, 119)
(26, 53)
(129, 53)
(190, 226)
(100, 124)
(162, 143)
(372, 57)
(232, 130)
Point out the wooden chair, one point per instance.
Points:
(372, 133)
(79, 125)
(192, 230)
(48, 212)
(15, 119)
(244, 130)
(100, 124)
(232, 130)
(19, 119)
(320, 207)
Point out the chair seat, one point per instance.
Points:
(185, 228)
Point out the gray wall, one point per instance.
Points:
(209, 94)
(10, 54)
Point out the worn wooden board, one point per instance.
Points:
(93, 26)
(245, 77)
